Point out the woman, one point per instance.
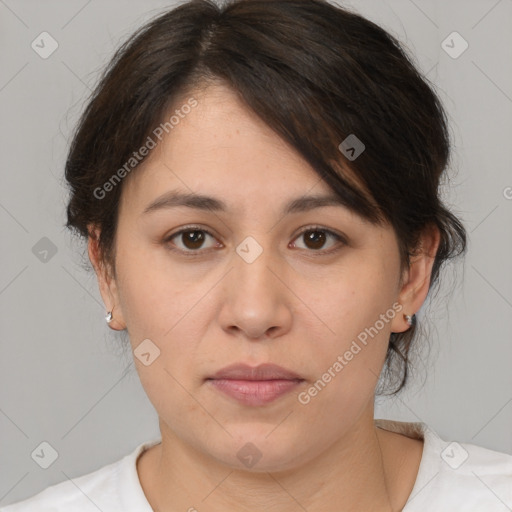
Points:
(258, 184)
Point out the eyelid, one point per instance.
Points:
(319, 227)
(192, 227)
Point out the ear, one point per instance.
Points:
(106, 281)
(416, 278)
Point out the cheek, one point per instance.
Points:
(358, 309)
(163, 304)
(347, 368)
(355, 297)
(155, 294)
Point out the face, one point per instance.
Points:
(250, 284)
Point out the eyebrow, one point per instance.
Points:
(174, 199)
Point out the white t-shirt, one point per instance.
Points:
(452, 477)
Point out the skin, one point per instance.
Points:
(291, 306)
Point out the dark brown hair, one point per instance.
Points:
(312, 71)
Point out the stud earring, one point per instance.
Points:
(408, 319)
(108, 318)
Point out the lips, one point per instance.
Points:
(261, 372)
(254, 386)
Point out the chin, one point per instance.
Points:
(259, 449)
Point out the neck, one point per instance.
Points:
(358, 472)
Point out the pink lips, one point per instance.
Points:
(255, 385)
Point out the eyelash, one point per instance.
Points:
(200, 252)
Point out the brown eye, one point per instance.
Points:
(316, 238)
(190, 240)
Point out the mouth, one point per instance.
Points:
(255, 386)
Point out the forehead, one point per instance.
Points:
(224, 148)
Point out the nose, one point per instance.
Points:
(256, 301)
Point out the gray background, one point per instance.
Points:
(63, 379)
